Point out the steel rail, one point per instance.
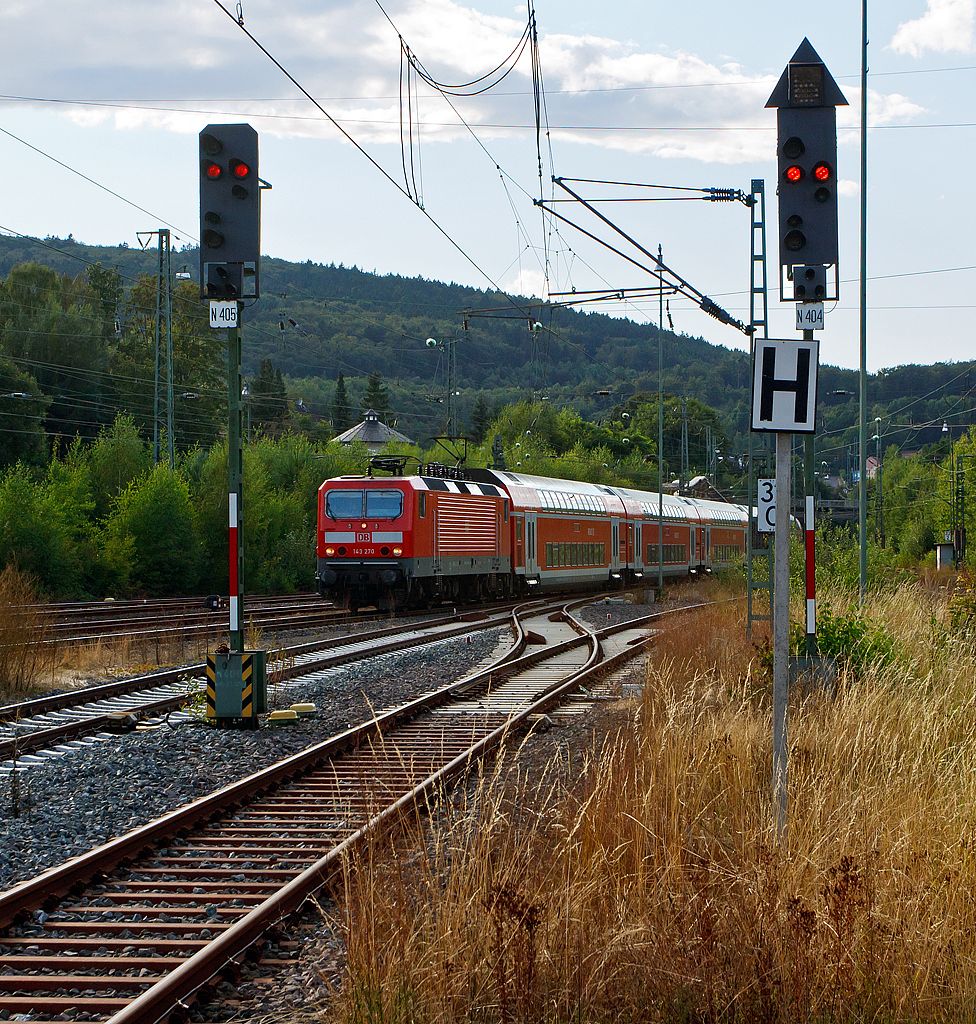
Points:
(173, 990)
(153, 1005)
(57, 881)
(103, 691)
(360, 648)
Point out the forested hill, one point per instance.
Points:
(316, 321)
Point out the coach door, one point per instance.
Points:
(700, 545)
(531, 548)
(615, 539)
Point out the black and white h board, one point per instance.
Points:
(784, 386)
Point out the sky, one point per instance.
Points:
(101, 105)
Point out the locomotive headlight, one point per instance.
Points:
(398, 552)
(330, 551)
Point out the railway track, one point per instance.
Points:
(138, 929)
(176, 619)
(50, 724)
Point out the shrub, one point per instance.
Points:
(155, 515)
(852, 639)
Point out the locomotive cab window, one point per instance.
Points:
(421, 504)
(344, 504)
(384, 504)
(373, 504)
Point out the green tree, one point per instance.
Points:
(267, 401)
(117, 458)
(376, 397)
(52, 322)
(31, 540)
(480, 419)
(22, 412)
(155, 515)
(341, 412)
(199, 365)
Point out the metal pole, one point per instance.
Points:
(862, 511)
(660, 428)
(168, 293)
(809, 455)
(962, 507)
(452, 413)
(159, 283)
(235, 479)
(683, 479)
(757, 321)
(879, 474)
(781, 630)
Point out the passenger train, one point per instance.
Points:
(469, 534)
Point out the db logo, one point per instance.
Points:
(362, 538)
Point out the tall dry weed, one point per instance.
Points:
(24, 655)
(652, 886)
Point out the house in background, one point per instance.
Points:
(373, 433)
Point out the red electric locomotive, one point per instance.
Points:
(412, 540)
(464, 535)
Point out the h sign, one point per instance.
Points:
(784, 386)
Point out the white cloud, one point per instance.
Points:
(947, 25)
(530, 283)
(169, 67)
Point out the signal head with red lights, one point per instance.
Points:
(807, 155)
(230, 211)
(806, 98)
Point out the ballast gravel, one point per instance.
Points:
(91, 794)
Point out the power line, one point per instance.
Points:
(443, 231)
(744, 83)
(91, 181)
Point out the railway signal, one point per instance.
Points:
(230, 253)
(806, 100)
(230, 212)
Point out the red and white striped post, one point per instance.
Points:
(235, 482)
(235, 610)
(811, 624)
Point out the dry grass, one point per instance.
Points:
(81, 664)
(24, 656)
(651, 885)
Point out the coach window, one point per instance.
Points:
(518, 529)
(421, 504)
(384, 504)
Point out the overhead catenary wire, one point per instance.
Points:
(92, 181)
(433, 221)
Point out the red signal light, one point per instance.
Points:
(794, 173)
(822, 172)
(212, 171)
(239, 169)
